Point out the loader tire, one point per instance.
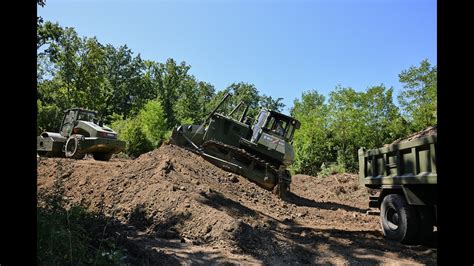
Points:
(102, 156)
(74, 148)
(398, 219)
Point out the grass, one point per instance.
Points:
(72, 236)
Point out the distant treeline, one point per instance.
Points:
(143, 100)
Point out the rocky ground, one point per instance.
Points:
(170, 206)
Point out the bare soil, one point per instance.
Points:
(432, 130)
(170, 206)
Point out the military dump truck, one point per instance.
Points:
(405, 179)
(80, 133)
(261, 152)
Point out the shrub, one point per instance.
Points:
(328, 169)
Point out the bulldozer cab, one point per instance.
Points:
(276, 124)
(73, 115)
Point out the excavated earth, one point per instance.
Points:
(432, 130)
(170, 206)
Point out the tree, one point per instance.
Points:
(169, 80)
(311, 142)
(49, 117)
(346, 125)
(48, 33)
(206, 93)
(241, 91)
(367, 119)
(270, 103)
(419, 97)
(131, 131)
(81, 72)
(188, 109)
(153, 122)
(381, 117)
(127, 82)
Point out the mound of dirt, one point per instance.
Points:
(174, 202)
(432, 130)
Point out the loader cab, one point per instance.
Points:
(86, 116)
(73, 115)
(276, 124)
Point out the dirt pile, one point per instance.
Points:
(432, 130)
(175, 207)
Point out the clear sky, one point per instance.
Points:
(284, 47)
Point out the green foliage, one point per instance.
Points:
(270, 103)
(48, 118)
(56, 234)
(333, 132)
(311, 144)
(144, 100)
(419, 97)
(64, 236)
(153, 122)
(41, 2)
(81, 72)
(188, 107)
(143, 132)
(361, 119)
(131, 131)
(247, 93)
(331, 169)
(48, 33)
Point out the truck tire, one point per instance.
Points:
(102, 156)
(426, 217)
(74, 148)
(398, 219)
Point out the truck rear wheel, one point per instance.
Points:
(74, 148)
(398, 219)
(102, 156)
(426, 216)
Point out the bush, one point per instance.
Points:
(143, 132)
(49, 118)
(137, 142)
(153, 122)
(65, 237)
(328, 169)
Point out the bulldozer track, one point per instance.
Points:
(243, 153)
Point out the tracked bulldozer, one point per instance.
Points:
(260, 152)
(81, 132)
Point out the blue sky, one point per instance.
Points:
(283, 47)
